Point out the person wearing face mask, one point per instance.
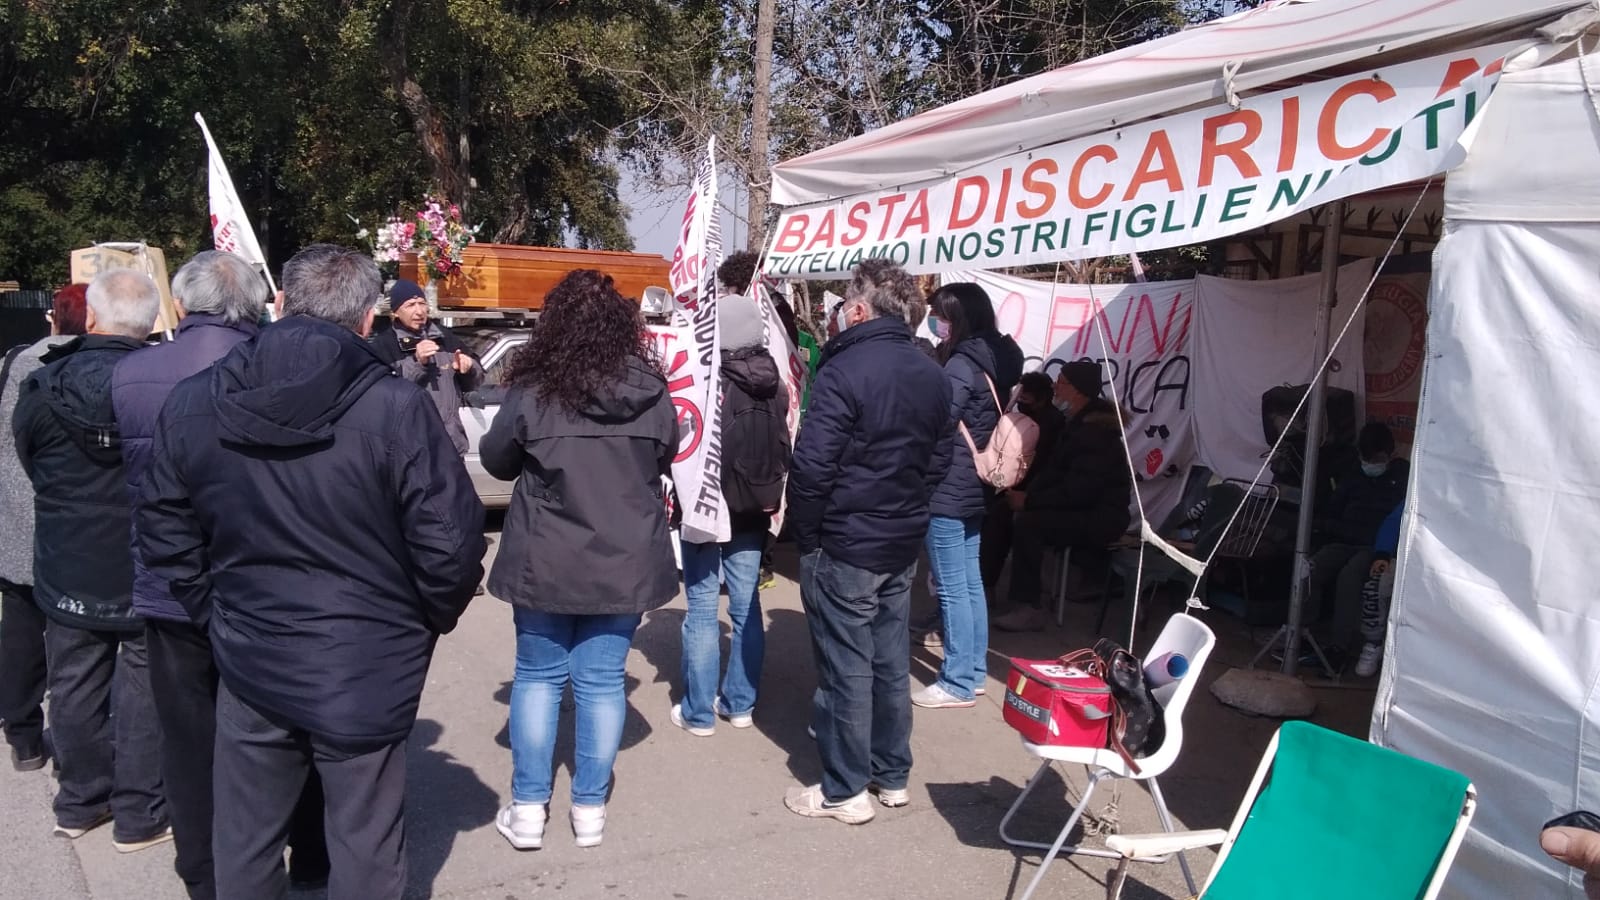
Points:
(1346, 529)
(1077, 496)
(981, 364)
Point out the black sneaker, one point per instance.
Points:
(29, 757)
(300, 880)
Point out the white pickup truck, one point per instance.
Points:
(494, 347)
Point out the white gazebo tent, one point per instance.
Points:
(1491, 666)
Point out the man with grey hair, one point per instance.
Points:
(219, 299)
(309, 510)
(101, 718)
(872, 447)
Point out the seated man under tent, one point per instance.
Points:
(1078, 496)
(1346, 532)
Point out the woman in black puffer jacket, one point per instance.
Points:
(981, 364)
(588, 430)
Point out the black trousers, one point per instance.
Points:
(108, 762)
(183, 679)
(261, 767)
(22, 667)
(994, 543)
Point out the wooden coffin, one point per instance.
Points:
(507, 276)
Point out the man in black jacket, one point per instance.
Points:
(308, 507)
(1078, 497)
(101, 718)
(873, 446)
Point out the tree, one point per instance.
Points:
(844, 67)
(323, 111)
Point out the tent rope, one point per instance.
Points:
(1097, 315)
(1322, 368)
(1148, 534)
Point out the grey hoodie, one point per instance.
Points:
(16, 490)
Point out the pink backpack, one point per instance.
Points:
(1010, 452)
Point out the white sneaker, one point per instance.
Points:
(809, 802)
(72, 834)
(936, 697)
(742, 720)
(522, 824)
(1367, 663)
(697, 731)
(588, 825)
(894, 799)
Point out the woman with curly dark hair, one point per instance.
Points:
(588, 430)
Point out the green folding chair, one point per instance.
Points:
(1327, 817)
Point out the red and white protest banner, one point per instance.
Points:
(693, 360)
(1176, 180)
(230, 224)
(690, 262)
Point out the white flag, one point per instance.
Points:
(230, 226)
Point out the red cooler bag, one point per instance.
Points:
(1056, 702)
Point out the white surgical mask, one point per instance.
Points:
(1064, 405)
(1373, 470)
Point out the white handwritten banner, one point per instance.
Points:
(1182, 179)
(1145, 359)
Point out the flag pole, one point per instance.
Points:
(249, 232)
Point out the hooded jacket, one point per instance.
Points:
(68, 443)
(1084, 486)
(962, 495)
(16, 490)
(751, 382)
(872, 447)
(586, 533)
(308, 507)
(139, 386)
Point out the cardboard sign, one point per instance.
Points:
(92, 261)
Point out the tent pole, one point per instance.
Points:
(1332, 232)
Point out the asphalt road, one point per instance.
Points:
(703, 817)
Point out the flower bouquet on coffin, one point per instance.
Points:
(439, 238)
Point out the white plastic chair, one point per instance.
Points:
(1183, 634)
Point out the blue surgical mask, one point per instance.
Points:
(939, 327)
(1373, 470)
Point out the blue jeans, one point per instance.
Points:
(859, 632)
(953, 553)
(705, 567)
(593, 651)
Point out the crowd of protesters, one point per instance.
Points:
(230, 556)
